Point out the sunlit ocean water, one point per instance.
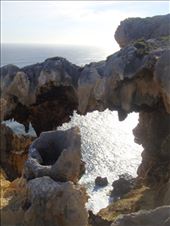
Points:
(22, 55)
(107, 145)
(108, 149)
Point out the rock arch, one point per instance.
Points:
(136, 78)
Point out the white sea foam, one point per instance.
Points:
(108, 149)
(19, 128)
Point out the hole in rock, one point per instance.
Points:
(108, 149)
(50, 145)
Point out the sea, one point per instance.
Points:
(107, 145)
(22, 54)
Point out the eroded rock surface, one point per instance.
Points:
(41, 202)
(126, 82)
(156, 217)
(153, 132)
(50, 85)
(51, 195)
(56, 154)
(136, 78)
(13, 151)
(129, 80)
(55, 204)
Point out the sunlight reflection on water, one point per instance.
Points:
(108, 149)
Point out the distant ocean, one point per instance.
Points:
(22, 55)
(108, 146)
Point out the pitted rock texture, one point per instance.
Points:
(42, 202)
(13, 151)
(55, 204)
(156, 217)
(133, 29)
(56, 154)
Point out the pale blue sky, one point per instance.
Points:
(71, 22)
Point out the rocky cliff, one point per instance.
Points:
(136, 78)
(133, 29)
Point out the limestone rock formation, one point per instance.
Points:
(137, 79)
(157, 217)
(13, 151)
(52, 198)
(50, 85)
(133, 29)
(41, 202)
(125, 82)
(153, 132)
(134, 79)
(56, 154)
(55, 204)
(128, 80)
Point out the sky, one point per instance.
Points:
(71, 22)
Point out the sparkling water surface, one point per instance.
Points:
(108, 150)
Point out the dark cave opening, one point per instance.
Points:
(54, 106)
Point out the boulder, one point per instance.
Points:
(56, 154)
(123, 185)
(101, 181)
